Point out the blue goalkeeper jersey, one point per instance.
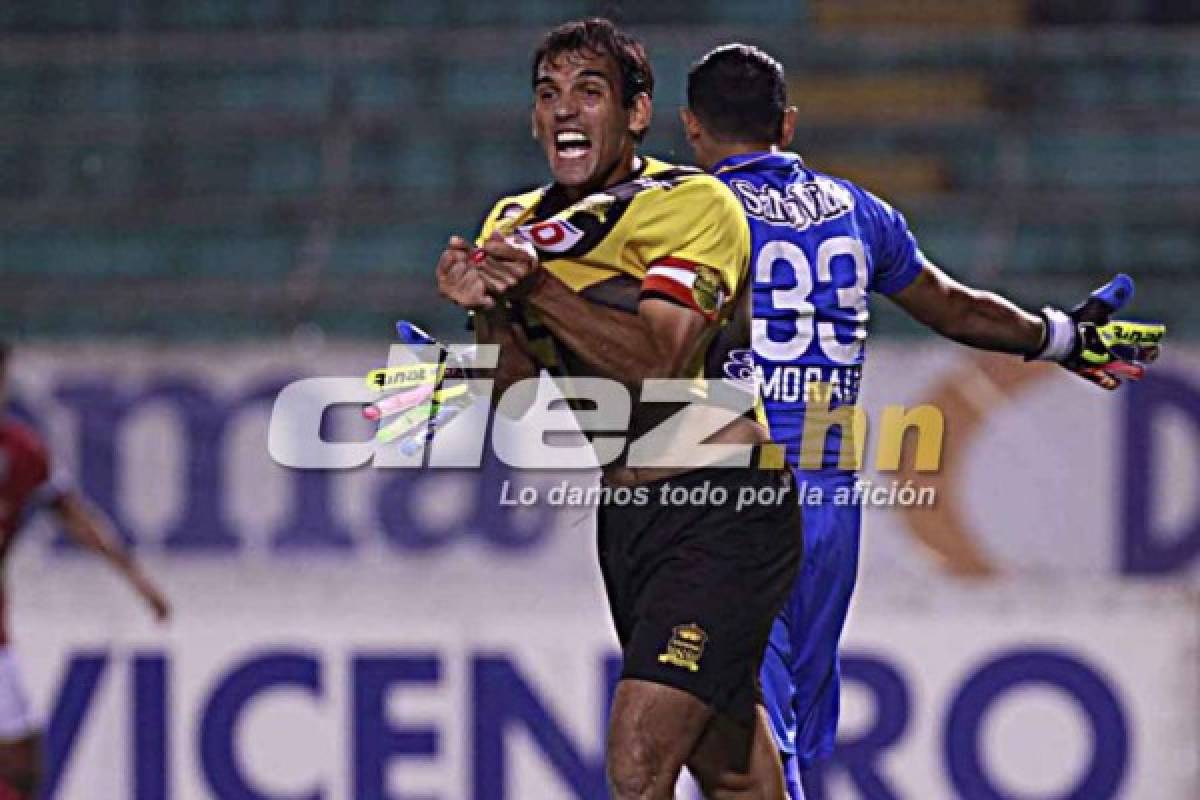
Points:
(820, 244)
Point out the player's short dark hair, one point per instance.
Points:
(739, 94)
(5, 349)
(600, 36)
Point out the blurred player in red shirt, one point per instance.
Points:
(26, 485)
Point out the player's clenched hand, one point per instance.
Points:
(510, 267)
(459, 280)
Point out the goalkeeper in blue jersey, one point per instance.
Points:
(821, 245)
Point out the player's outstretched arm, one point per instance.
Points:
(1084, 340)
(971, 316)
(656, 342)
(91, 528)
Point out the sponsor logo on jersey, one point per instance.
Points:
(797, 205)
(685, 647)
(739, 368)
(553, 236)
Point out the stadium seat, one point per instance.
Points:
(20, 171)
(288, 166)
(388, 250)
(505, 168)
(62, 16)
(197, 14)
(1187, 84)
(400, 165)
(926, 14)
(1049, 249)
(224, 253)
(387, 86)
(1134, 159)
(81, 253)
(549, 12)
(410, 13)
(899, 175)
(101, 169)
(664, 12)
(20, 89)
(765, 12)
(86, 89)
(316, 14)
(1085, 88)
(219, 167)
(207, 87)
(912, 96)
(482, 85)
(290, 89)
(1173, 250)
(953, 243)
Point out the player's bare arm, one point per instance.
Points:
(90, 528)
(970, 316)
(656, 342)
(1085, 340)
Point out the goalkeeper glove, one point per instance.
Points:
(439, 393)
(1088, 342)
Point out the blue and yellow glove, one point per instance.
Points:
(1088, 342)
(426, 396)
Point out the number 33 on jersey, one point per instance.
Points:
(820, 244)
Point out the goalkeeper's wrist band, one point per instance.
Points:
(1061, 335)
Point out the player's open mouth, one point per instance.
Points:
(572, 144)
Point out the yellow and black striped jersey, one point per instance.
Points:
(670, 232)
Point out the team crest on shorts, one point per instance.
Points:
(685, 647)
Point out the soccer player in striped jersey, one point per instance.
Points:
(820, 246)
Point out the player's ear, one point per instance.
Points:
(691, 124)
(641, 113)
(787, 130)
(533, 125)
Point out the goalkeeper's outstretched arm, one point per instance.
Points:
(1084, 340)
(971, 316)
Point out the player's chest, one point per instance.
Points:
(613, 256)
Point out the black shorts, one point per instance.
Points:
(694, 588)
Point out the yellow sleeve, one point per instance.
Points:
(697, 226)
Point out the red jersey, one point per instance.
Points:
(24, 483)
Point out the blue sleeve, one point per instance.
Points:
(898, 259)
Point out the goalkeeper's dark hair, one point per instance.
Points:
(5, 350)
(599, 36)
(739, 94)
